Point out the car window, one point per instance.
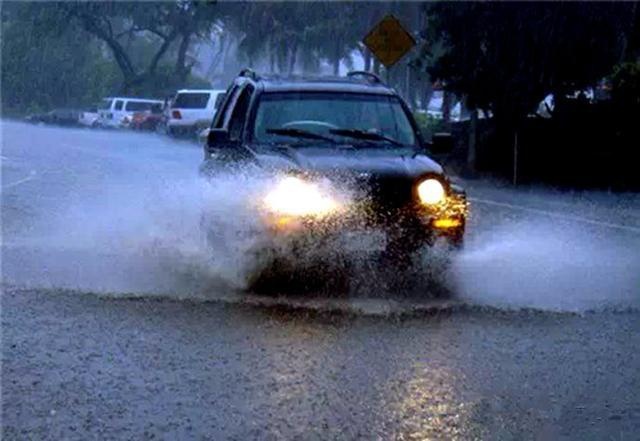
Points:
(138, 106)
(238, 117)
(219, 99)
(223, 114)
(118, 105)
(192, 100)
(321, 112)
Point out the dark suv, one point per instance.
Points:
(347, 154)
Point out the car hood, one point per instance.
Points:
(388, 162)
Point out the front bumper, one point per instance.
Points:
(446, 219)
(187, 124)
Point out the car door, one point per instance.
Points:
(232, 118)
(118, 112)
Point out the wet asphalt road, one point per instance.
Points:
(104, 339)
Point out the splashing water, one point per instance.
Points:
(542, 264)
(142, 233)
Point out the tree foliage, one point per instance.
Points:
(507, 56)
(160, 23)
(45, 66)
(501, 56)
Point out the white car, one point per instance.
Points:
(89, 117)
(117, 112)
(192, 110)
(435, 107)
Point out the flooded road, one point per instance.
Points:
(119, 321)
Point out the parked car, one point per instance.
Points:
(89, 117)
(354, 134)
(117, 112)
(148, 120)
(435, 107)
(192, 110)
(64, 117)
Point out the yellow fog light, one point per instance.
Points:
(295, 197)
(431, 191)
(447, 223)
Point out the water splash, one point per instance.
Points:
(553, 266)
(128, 222)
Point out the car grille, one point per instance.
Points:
(385, 198)
(390, 193)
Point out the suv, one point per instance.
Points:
(192, 110)
(117, 112)
(351, 133)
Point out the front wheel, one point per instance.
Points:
(456, 239)
(403, 245)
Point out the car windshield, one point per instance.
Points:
(325, 113)
(192, 100)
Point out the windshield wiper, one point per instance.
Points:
(299, 133)
(362, 134)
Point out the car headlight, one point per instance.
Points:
(296, 197)
(431, 191)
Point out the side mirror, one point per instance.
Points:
(218, 138)
(441, 143)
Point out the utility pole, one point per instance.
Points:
(515, 158)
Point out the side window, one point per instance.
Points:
(219, 99)
(118, 105)
(137, 106)
(222, 114)
(238, 117)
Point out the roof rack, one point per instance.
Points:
(249, 73)
(363, 73)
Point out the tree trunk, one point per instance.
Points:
(336, 58)
(446, 106)
(407, 87)
(217, 61)
(427, 93)
(292, 58)
(181, 71)
(272, 60)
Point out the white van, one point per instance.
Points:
(118, 111)
(192, 110)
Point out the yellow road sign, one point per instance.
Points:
(389, 41)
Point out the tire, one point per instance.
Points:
(403, 245)
(456, 239)
(295, 269)
(161, 129)
(271, 273)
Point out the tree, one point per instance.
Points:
(47, 66)
(507, 56)
(161, 23)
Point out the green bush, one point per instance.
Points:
(625, 84)
(429, 125)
